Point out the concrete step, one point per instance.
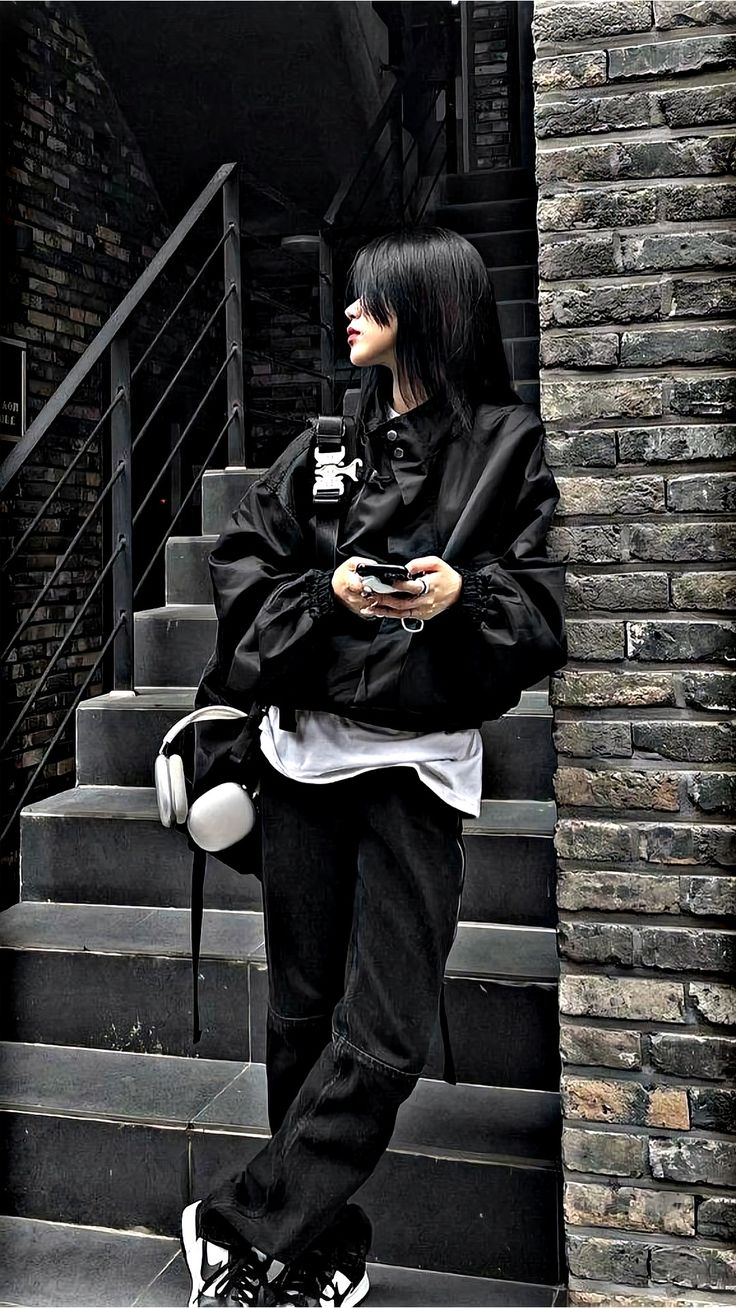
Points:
(74, 1266)
(124, 1140)
(173, 643)
(518, 318)
(105, 845)
(118, 739)
(222, 491)
(487, 215)
(489, 184)
(515, 282)
(120, 978)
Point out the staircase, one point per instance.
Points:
(495, 210)
(110, 1125)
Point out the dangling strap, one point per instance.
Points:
(334, 464)
(199, 863)
(448, 1071)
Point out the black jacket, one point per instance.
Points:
(483, 501)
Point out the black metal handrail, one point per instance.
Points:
(112, 516)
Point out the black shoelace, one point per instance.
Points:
(309, 1280)
(241, 1280)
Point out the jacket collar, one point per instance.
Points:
(421, 434)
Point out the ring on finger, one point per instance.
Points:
(425, 585)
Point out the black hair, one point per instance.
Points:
(448, 338)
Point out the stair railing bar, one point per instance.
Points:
(256, 293)
(166, 393)
(121, 454)
(418, 177)
(62, 480)
(180, 441)
(272, 416)
(159, 334)
(422, 125)
(107, 333)
(195, 484)
(104, 572)
(299, 260)
(430, 189)
(386, 155)
(272, 193)
(234, 325)
(60, 731)
(66, 555)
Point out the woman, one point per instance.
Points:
(372, 749)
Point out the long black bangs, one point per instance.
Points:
(448, 338)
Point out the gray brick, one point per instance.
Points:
(596, 942)
(596, 1258)
(715, 396)
(669, 14)
(714, 1002)
(704, 590)
(582, 400)
(665, 640)
(705, 1058)
(630, 1207)
(609, 113)
(579, 839)
(617, 892)
(600, 1046)
(687, 542)
(666, 251)
(596, 640)
(703, 297)
(709, 691)
(590, 449)
(711, 896)
(579, 256)
(677, 444)
(713, 792)
(591, 303)
(687, 843)
(717, 1219)
(567, 72)
(686, 949)
(591, 544)
(698, 106)
(627, 999)
(614, 1153)
(603, 1099)
(570, 22)
(689, 156)
(693, 54)
(695, 201)
(594, 738)
(689, 345)
(694, 1161)
(617, 590)
(713, 1110)
(701, 1268)
(707, 492)
(580, 350)
(590, 209)
(604, 689)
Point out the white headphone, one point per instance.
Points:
(221, 816)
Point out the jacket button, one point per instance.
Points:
(392, 435)
(398, 452)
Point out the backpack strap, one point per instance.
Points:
(334, 462)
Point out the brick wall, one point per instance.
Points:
(634, 123)
(489, 27)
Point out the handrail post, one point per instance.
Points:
(234, 323)
(122, 516)
(328, 360)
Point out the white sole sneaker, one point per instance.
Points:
(358, 1293)
(202, 1257)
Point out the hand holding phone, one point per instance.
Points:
(378, 577)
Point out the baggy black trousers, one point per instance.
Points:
(361, 884)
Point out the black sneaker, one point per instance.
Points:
(220, 1275)
(332, 1273)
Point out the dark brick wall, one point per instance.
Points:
(490, 28)
(634, 122)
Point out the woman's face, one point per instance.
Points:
(368, 342)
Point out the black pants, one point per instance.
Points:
(362, 882)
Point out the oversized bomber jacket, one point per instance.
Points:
(481, 500)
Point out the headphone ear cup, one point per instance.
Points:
(179, 800)
(163, 791)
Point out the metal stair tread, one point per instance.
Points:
(487, 950)
(532, 702)
(514, 817)
(475, 1121)
(80, 1266)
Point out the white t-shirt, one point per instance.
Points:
(327, 747)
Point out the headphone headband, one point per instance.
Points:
(217, 713)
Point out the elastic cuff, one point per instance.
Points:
(321, 598)
(475, 596)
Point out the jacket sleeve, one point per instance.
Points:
(512, 607)
(270, 603)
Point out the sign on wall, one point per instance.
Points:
(12, 388)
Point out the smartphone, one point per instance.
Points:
(379, 576)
